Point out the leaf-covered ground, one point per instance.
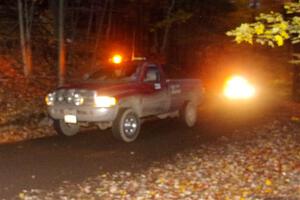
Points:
(22, 108)
(264, 165)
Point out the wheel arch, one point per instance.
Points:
(133, 103)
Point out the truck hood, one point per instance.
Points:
(116, 89)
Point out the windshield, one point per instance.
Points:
(123, 72)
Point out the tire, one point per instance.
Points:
(65, 129)
(188, 114)
(126, 126)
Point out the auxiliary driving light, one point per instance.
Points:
(238, 87)
(50, 98)
(105, 101)
(78, 99)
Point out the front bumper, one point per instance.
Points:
(84, 114)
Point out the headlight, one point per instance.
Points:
(105, 101)
(50, 98)
(238, 87)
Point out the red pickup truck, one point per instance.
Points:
(122, 96)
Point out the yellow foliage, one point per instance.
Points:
(283, 25)
(268, 182)
(123, 193)
(259, 29)
(21, 195)
(268, 190)
(245, 193)
(182, 188)
(269, 29)
(279, 40)
(284, 35)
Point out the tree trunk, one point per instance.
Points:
(90, 20)
(109, 19)
(98, 35)
(155, 44)
(61, 46)
(296, 78)
(295, 86)
(167, 29)
(28, 22)
(26, 65)
(54, 7)
(74, 21)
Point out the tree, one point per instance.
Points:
(61, 45)
(172, 16)
(99, 32)
(25, 14)
(273, 29)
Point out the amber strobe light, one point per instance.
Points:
(238, 87)
(117, 59)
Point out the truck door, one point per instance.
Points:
(155, 98)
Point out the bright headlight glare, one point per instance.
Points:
(50, 98)
(239, 88)
(105, 101)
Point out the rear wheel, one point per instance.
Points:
(65, 129)
(188, 114)
(126, 126)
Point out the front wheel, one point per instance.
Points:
(188, 114)
(126, 126)
(65, 129)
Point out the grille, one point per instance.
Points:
(72, 96)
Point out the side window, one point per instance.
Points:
(152, 75)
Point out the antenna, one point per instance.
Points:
(133, 46)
